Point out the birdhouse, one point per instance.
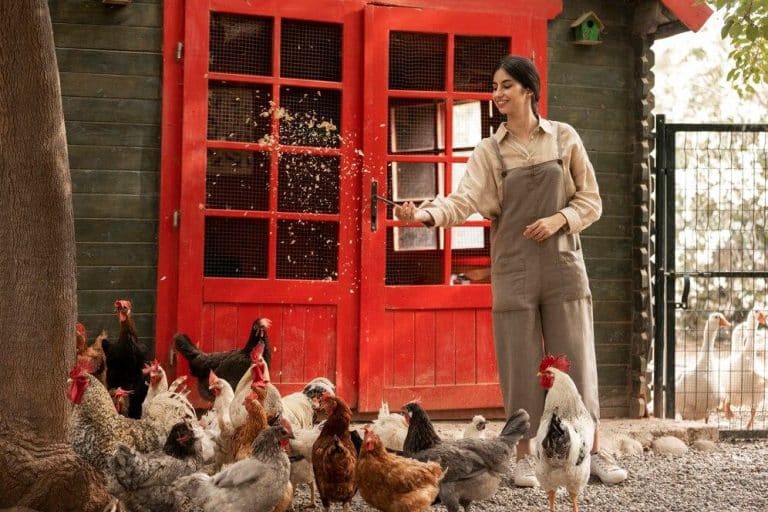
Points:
(586, 29)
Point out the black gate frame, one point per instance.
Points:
(665, 273)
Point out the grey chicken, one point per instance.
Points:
(256, 484)
(474, 466)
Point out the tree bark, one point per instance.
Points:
(38, 468)
(37, 240)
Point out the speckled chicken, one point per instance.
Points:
(146, 479)
(334, 458)
(96, 429)
(256, 484)
(474, 466)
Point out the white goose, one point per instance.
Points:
(745, 380)
(697, 391)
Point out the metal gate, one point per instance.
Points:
(711, 257)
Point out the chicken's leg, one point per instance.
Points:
(311, 495)
(551, 499)
(751, 422)
(575, 501)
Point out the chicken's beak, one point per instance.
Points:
(539, 374)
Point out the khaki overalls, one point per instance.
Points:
(541, 297)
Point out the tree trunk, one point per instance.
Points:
(37, 235)
(38, 468)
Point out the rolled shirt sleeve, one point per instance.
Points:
(585, 205)
(478, 191)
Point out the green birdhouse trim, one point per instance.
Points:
(586, 29)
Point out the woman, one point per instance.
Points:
(534, 180)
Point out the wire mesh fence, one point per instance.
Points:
(719, 205)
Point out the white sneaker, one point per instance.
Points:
(604, 466)
(525, 474)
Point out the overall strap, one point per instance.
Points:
(497, 150)
(559, 147)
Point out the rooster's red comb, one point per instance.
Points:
(80, 329)
(560, 362)
(123, 304)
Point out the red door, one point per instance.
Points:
(270, 180)
(425, 311)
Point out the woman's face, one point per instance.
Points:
(509, 95)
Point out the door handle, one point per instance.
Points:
(375, 198)
(683, 304)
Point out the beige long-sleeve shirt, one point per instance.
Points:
(480, 190)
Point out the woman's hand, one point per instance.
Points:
(545, 227)
(407, 212)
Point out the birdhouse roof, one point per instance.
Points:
(692, 14)
(584, 17)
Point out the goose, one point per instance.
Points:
(745, 378)
(697, 391)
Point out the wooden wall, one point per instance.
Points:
(592, 88)
(110, 65)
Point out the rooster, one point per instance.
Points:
(257, 374)
(566, 433)
(333, 455)
(96, 428)
(474, 467)
(257, 483)
(395, 484)
(229, 365)
(126, 358)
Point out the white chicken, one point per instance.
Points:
(744, 380)
(566, 433)
(301, 459)
(391, 428)
(698, 389)
(299, 408)
(258, 372)
(216, 435)
(476, 428)
(158, 383)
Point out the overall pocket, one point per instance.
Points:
(508, 290)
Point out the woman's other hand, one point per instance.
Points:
(544, 227)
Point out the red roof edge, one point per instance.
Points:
(693, 13)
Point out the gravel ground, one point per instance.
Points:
(733, 479)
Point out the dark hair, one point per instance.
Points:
(523, 70)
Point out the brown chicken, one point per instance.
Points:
(91, 355)
(334, 458)
(391, 483)
(247, 433)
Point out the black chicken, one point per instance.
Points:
(229, 365)
(125, 360)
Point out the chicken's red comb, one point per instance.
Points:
(560, 362)
(416, 401)
(212, 377)
(123, 303)
(286, 425)
(257, 352)
(80, 329)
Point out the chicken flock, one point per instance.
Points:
(254, 447)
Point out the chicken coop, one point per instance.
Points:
(234, 160)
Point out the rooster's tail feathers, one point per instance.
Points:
(184, 345)
(517, 425)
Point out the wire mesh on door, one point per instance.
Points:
(714, 253)
(266, 135)
(417, 125)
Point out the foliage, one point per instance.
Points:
(746, 26)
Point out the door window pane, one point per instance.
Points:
(308, 184)
(237, 180)
(415, 181)
(417, 61)
(414, 256)
(240, 44)
(307, 250)
(239, 112)
(310, 117)
(310, 50)
(236, 247)
(475, 60)
(416, 126)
